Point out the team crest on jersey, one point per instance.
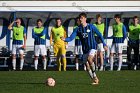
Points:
(88, 30)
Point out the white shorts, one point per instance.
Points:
(40, 49)
(92, 52)
(116, 48)
(100, 47)
(17, 49)
(78, 50)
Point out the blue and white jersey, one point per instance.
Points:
(86, 35)
(37, 37)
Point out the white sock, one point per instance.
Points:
(101, 68)
(90, 73)
(94, 74)
(44, 64)
(14, 64)
(120, 62)
(36, 64)
(93, 66)
(77, 66)
(85, 68)
(111, 62)
(21, 64)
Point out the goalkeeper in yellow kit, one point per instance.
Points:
(59, 46)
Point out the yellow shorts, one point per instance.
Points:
(59, 49)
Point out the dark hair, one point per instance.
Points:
(83, 14)
(98, 15)
(18, 18)
(39, 20)
(135, 17)
(58, 19)
(77, 18)
(117, 16)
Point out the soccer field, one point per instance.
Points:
(69, 82)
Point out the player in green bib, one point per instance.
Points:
(19, 35)
(133, 42)
(119, 35)
(101, 27)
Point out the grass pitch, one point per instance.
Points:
(69, 82)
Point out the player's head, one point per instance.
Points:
(58, 22)
(135, 19)
(98, 18)
(83, 18)
(18, 21)
(117, 18)
(39, 23)
(77, 21)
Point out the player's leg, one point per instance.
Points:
(14, 57)
(120, 47)
(101, 49)
(36, 55)
(76, 62)
(136, 56)
(57, 55)
(91, 55)
(76, 58)
(43, 53)
(101, 61)
(129, 49)
(21, 52)
(96, 62)
(63, 56)
(112, 51)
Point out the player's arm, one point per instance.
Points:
(10, 27)
(24, 36)
(124, 32)
(72, 36)
(65, 35)
(33, 34)
(99, 35)
(51, 38)
(104, 31)
(46, 33)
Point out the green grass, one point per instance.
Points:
(69, 82)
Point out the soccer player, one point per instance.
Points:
(119, 35)
(39, 35)
(19, 35)
(59, 45)
(133, 43)
(100, 26)
(78, 47)
(86, 33)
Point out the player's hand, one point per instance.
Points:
(51, 47)
(66, 46)
(105, 48)
(24, 47)
(62, 38)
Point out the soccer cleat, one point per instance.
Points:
(95, 81)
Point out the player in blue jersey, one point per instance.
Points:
(39, 34)
(78, 47)
(86, 32)
(19, 35)
(119, 35)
